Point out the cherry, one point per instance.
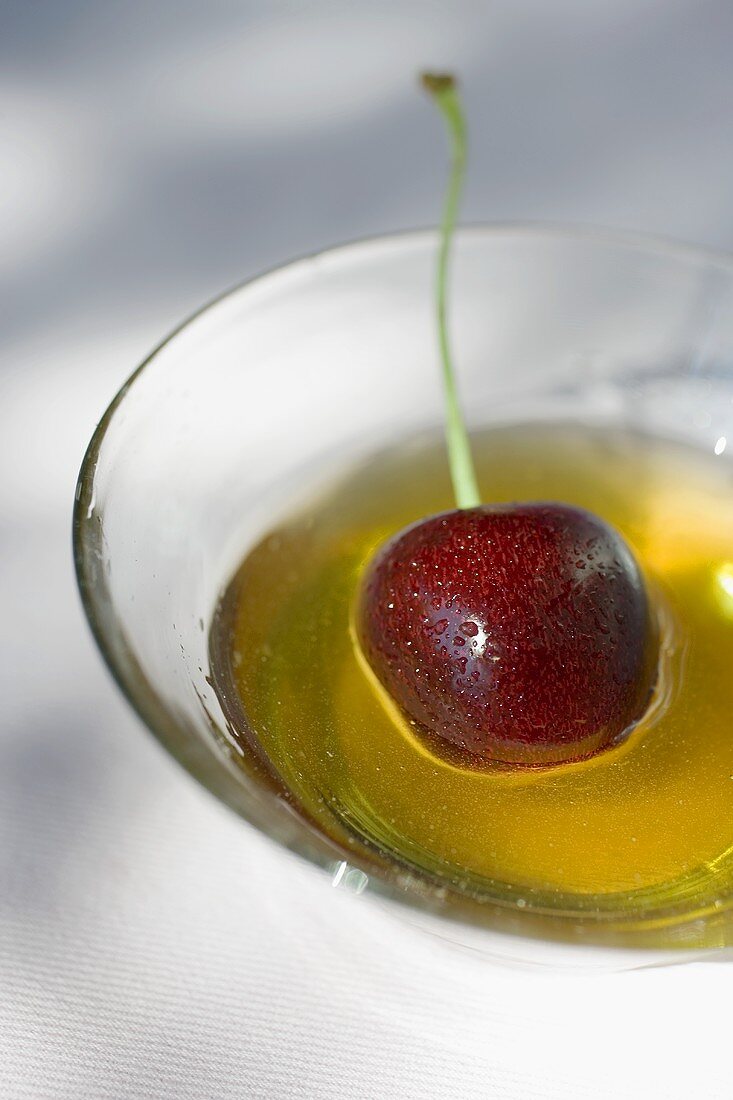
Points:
(518, 634)
(514, 634)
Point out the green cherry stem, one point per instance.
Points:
(463, 475)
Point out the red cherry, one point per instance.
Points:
(514, 634)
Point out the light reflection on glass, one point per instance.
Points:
(724, 587)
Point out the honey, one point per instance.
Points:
(639, 827)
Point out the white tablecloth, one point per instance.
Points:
(151, 945)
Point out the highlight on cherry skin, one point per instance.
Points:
(517, 635)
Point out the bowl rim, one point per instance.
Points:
(207, 767)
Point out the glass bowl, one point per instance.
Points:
(258, 399)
